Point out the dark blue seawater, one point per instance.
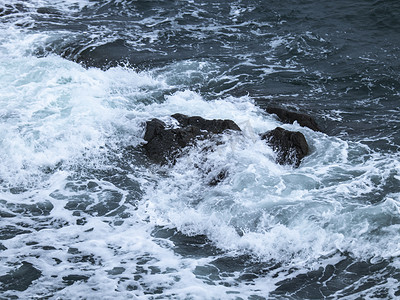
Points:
(85, 215)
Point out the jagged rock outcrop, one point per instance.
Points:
(291, 146)
(212, 126)
(289, 117)
(164, 144)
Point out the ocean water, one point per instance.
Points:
(85, 215)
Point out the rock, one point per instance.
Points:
(164, 144)
(291, 146)
(218, 178)
(213, 126)
(287, 116)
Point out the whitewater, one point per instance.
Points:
(85, 215)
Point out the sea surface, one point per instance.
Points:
(85, 215)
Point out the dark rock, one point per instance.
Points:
(291, 146)
(213, 126)
(164, 144)
(287, 116)
(20, 279)
(218, 178)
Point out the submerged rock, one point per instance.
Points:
(215, 180)
(213, 126)
(291, 146)
(164, 144)
(287, 116)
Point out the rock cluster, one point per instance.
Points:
(287, 116)
(291, 146)
(165, 144)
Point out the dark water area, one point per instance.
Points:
(85, 215)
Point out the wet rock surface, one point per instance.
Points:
(212, 126)
(287, 116)
(291, 146)
(164, 144)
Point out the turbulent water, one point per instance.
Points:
(85, 215)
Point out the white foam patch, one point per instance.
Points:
(55, 111)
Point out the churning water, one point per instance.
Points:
(85, 215)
